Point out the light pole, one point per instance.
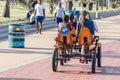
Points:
(97, 8)
(108, 4)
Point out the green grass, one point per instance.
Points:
(18, 13)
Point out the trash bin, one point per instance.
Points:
(70, 11)
(16, 36)
(77, 13)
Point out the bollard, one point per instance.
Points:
(16, 36)
(77, 13)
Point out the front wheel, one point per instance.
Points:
(99, 57)
(55, 60)
(94, 61)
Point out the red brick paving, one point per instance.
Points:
(73, 70)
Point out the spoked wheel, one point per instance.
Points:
(94, 61)
(99, 57)
(55, 60)
(61, 60)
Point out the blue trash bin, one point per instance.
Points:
(77, 13)
(16, 36)
(70, 11)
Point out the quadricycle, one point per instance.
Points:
(85, 47)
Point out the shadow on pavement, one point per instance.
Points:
(75, 72)
(8, 51)
(39, 48)
(110, 70)
(110, 32)
(111, 54)
(18, 79)
(78, 69)
(110, 39)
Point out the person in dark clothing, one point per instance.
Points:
(34, 3)
(72, 23)
(90, 24)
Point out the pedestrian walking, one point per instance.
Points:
(39, 15)
(59, 13)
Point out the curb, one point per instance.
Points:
(28, 28)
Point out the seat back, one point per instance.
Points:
(72, 32)
(84, 36)
(65, 39)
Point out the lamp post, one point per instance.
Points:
(97, 8)
(108, 4)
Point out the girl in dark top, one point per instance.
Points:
(90, 24)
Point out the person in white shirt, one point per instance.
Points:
(59, 13)
(39, 15)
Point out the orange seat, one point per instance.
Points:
(84, 36)
(68, 38)
(72, 32)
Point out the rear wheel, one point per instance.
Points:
(94, 61)
(99, 57)
(55, 60)
(62, 62)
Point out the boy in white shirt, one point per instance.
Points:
(39, 15)
(59, 13)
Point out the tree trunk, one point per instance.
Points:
(97, 5)
(102, 6)
(69, 5)
(51, 7)
(7, 9)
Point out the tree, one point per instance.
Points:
(101, 4)
(7, 9)
(13, 2)
(69, 5)
(83, 1)
(51, 4)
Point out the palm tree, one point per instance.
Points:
(7, 5)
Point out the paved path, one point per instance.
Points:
(36, 47)
(73, 70)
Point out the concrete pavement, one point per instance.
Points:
(41, 46)
(109, 29)
(73, 70)
(37, 47)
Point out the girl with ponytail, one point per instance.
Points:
(85, 22)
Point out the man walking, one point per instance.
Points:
(59, 13)
(39, 15)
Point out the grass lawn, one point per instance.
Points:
(18, 13)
